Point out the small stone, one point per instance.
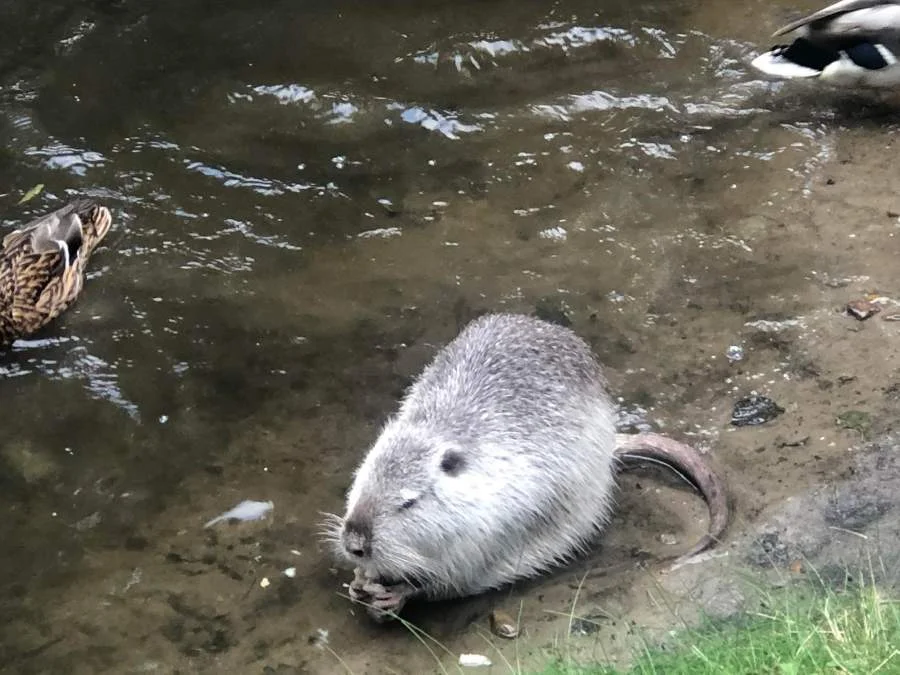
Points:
(862, 309)
(769, 551)
(734, 353)
(754, 410)
(503, 625)
(668, 539)
(264, 583)
(587, 625)
(474, 660)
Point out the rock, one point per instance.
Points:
(503, 625)
(769, 551)
(754, 410)
(854, 510)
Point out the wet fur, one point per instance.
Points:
(517, 409)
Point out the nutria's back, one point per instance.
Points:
(505, 373)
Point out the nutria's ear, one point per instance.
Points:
(453, 462)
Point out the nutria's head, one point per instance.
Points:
(412, 500)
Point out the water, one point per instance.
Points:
(309, 199)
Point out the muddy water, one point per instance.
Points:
(310, 199)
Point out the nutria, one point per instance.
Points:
(499, 465)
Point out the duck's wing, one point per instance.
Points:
(63, 236)
(39, 270)
(847, 16)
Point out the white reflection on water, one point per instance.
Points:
(287, 93)
(99, 377)
(263, 186)
(445, 123)
(60, 156)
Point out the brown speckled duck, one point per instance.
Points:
(42, 266)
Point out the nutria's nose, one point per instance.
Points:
(358, 537)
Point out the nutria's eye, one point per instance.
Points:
(409, 499)
(452, 463)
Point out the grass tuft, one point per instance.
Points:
(796, 631)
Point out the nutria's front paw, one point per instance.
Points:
(382, 601)
(385, 602)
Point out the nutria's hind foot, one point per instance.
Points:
(383, 602)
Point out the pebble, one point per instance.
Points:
(473, 660)
(754, 410)
(503, 625)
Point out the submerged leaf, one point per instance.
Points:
(32, 193)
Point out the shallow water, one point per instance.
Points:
(309, 199)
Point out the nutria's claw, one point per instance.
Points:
(357, 587)
(382, 602)
(387, 601)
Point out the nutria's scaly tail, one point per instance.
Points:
(633, 449)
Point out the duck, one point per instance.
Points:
(851, 43)
(42, 266)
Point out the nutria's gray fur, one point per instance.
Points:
(499, 465)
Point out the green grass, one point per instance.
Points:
(795, 632)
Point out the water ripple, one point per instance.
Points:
(99, 377)
(263, 186)
(61, 156)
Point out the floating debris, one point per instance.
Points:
(557, 233)
(754, 410)
(474, 660)
(264, 583)
(503, 625)
(734, 353)
(382, 232)
(319, 638)
(862, 309)
(290, 572)
(246, 510)
(32, 193)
